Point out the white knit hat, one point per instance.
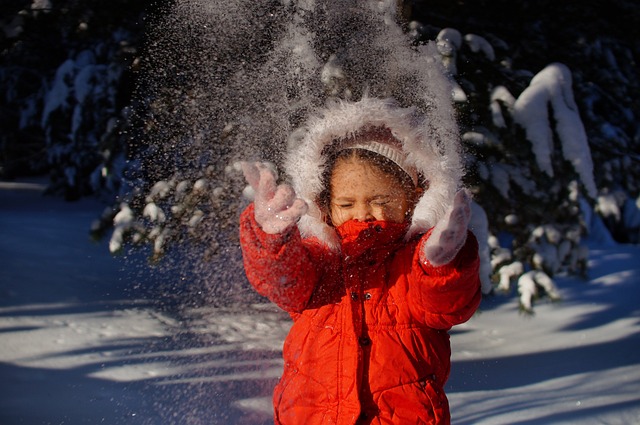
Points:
(406, 137)
(394, 154)
(380, 140)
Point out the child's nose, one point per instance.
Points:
(363, 213)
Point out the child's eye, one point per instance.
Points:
(344, 205)
(380, 203)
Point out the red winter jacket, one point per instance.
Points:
(369, 342)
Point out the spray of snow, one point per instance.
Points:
(256, 72)
(234, 81)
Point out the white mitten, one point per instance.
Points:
(450, 234)
(276, 207)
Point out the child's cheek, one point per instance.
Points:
(394, 212)
(382, 213)
(338, 217)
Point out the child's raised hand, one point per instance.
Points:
(450, 234)
(276, 207)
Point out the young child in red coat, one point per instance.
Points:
(368, 251)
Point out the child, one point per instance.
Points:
(371, 261)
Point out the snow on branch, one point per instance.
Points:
(500, 94)
(552, 86)
(528, 287)
(480, 44)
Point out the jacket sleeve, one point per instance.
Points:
(280, 267)
(447, 295)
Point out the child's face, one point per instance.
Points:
(362, 192)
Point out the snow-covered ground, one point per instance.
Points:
(84, 340)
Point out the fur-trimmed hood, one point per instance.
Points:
(435, 158)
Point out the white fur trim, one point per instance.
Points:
(426, 151)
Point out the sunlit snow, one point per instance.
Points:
(79, 344)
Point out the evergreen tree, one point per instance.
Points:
(539, 181)
(66, 72)
(545, 94)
